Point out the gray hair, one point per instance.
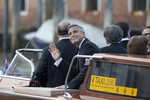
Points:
(75, 25)
(113, 34)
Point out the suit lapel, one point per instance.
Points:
(82, 45)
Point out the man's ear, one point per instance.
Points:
(84, 33)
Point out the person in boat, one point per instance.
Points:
(113, 35)
(146, 33)
(137, 45)
(47, 74)
(85, 47)
(126, 33)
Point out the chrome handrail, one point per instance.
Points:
(77, 56)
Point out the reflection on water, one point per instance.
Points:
(1, 61)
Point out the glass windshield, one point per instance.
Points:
(120, 78)
(24, 63)
(20, 67)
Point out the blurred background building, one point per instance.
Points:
(135, 12)
(18, 17)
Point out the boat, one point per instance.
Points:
(109, 77)
(45, 34)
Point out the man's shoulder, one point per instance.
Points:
(45, 48)
(103, 49)
(89, 43)
(65, 43)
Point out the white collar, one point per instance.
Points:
(123, 39)
(81, 42)
(63, 38)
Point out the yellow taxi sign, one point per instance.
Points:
(126, 91)
(108, 84)
(103, 81)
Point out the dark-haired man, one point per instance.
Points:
(86, 47)
(47, 74)
(126, 33)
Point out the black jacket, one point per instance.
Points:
(124, 43)
(47, 73)
(113, 48)
(87, 48)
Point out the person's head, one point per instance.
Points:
(76, 34)
(137, 45)
(62, 28)
(146, 33)
(113, 34)
(125, 28)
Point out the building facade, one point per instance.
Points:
(134, 12)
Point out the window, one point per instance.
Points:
(24, 63)
(137, 5)
(24, 7)
(91, 5)
(114, 77)
(20, 68)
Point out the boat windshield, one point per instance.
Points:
(24, 63)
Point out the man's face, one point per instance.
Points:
(146, 33)
(76, 35)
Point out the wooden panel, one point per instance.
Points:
(128, 59)
(9, 82)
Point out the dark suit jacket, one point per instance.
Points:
(48, 74)
(114, 48)
(124, 43)
(87, 48)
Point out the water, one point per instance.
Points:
(1, 61)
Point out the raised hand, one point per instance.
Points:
(54, 52)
